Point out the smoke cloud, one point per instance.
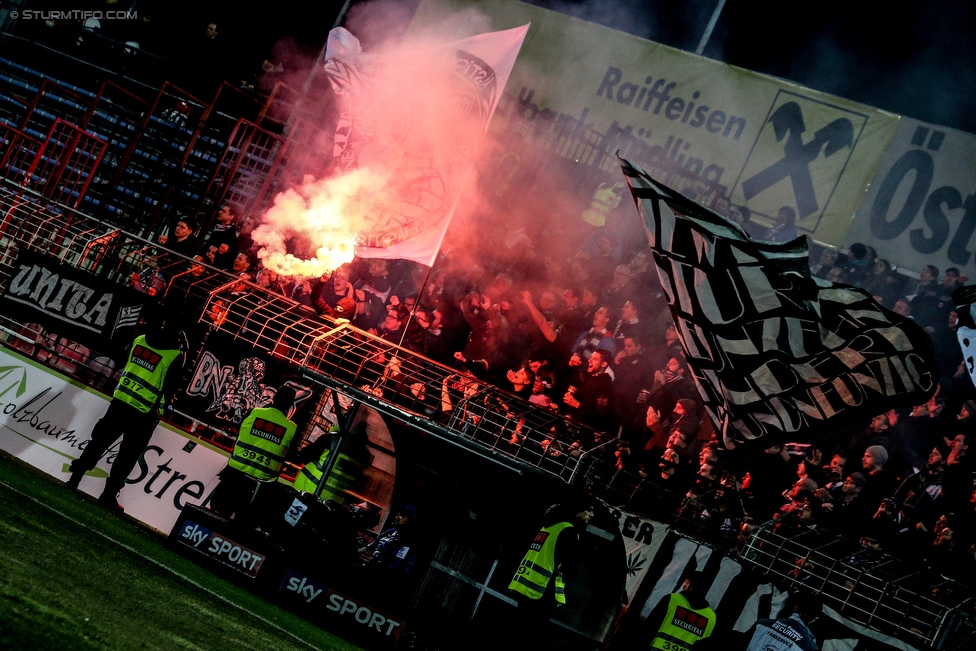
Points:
(406, 142)
(319, 218)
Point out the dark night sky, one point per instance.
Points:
(913, 58)
(910, 57)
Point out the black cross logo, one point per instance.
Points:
(796, 163)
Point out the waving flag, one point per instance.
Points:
(416, 120)
(965, 300)
(777, 354)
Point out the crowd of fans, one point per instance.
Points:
(589, 336)
(584, 331)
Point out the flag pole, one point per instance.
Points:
(319, 61)
(437, 250)
(711, 26)
(420, 294)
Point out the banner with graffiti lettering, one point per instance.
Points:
(642, 539)
(229, 380)
(740, 596)
(777, 354)
(73, 304)
(46, 419)
(593, 91)
(415, 121)
(921, 206)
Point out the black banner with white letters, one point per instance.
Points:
(72, 303)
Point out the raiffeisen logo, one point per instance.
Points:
(799, 158)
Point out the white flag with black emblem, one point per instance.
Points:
(414, 120)
(777, 354)
(965, 300)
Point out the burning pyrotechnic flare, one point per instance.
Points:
(325, 216)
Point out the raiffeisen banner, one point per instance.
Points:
(921, 206)
(46, 419)
(770, 142)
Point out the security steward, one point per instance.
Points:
(349, 465)
(263, 440)
(539, 584)
(151, 373)
(682, 618)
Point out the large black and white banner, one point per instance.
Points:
(74, 304)
(229, 381)
(777, 354)
(739, 595)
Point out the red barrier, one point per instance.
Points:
(19, 150)
(247, 167)
(66, 163)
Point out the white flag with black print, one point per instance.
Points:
(777, 354)
(965, 300)
(415, 119)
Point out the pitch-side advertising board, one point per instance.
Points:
(46, 419)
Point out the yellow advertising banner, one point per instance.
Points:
(769, 142)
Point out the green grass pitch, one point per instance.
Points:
(75, 577)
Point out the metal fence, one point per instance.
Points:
(394, 380)
(863, 585)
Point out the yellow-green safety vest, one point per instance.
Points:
(141, 383)
(538, 567)
(264, 438)
(683, 625)
(343, 474)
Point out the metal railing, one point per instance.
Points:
(438, 399)
(865, 586)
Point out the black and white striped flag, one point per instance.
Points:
(777, 354)
(128, 316)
